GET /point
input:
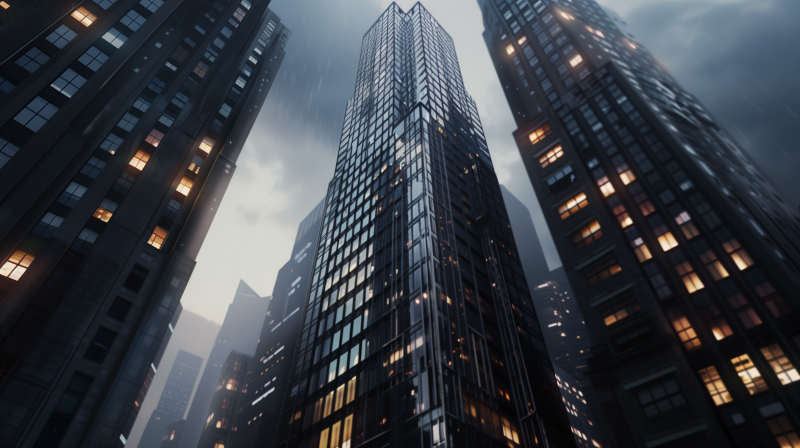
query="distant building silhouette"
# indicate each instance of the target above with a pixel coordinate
(220, 424)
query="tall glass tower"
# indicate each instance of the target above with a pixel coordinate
(419, 329)
(682, 257)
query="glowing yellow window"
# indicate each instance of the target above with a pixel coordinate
(738, 255)
(139, 160)
(522, 40)
(622, 216)
(625, 174)
(84, 16)
(642, 252)
(715, 268)
(784, 434)
(347, 431)
(685, 332)
(510, 49)
(587, 235)
(551, 156)
(106, 210)
(339, 398)
(605, 186)
(783, 368)
(689, 277)
(619, 309)
(509, 431)
(716, 388)
(567, 16)
(749, 374)
(687, 226)
(4, 5)
(328, 405)
(720, 328)
(537, 135)
(219, 445)
(185, 186)
(207, 144)
(157, 239)
(335, 430)
(318, 410)
(572, 206)
(16, 265)
(575, 61)
(351, 390)
(665, 238)
(323, 438)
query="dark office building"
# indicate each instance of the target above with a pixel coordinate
(268, 384)
(584, 426)
(219, 427)
(531, 254)
(120, 125)
(682, 257)
(174, 399)
(239, 333)
(172, 435)
(419, 328)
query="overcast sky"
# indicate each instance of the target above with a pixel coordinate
(738, 56)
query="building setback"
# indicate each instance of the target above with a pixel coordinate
(120, 125)
(174, 398)
(258, 419)
(220, 428)
(682, 257)
(239, 333)
(419, 328)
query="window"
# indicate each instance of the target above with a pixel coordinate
(620, 309)
(575, 61)
(156, 85)
(551, 156)
(201, 69)
(16, 265)
(603, 270)
(68, 83)
(72, 194)
(239, 14)
(4, 5)
(36, 114)
(226, 32)
(509, 431)
(139, 160)
(141, 104)
(105, 4)
(510, 50)
(93, 58)
(61, 36)
(685, 331)
(687, 226)
(115, 37)
(640, 249)
(185, 186)
(93, 167)
(690, 279)
(152, 5)
(132, 20)
(225, 110)
(645, 206)
(128, 121)
(84, 241)
(737, 254)
(783, 368)
(661, 397)
(715, 268)
(111, 143)
(158, 237)
(241, 82)
(716, 388)
(623, 218)
(665, 238)
(154, 137)
(572, 206)
(166, 120)
(587, 235)
(180, 54)
(102, 341)
(749, 374)
(199, 29)
(537, 135)
(123, 183)
(48, 225)
(783, 432)
(219, 43)
(180, 100)
(746, 313)
(33, 59)
(105, 210)
(136, 278)
(7, 151)
(625, 174)
(6, 86)
(83, 16)
(605, 186)
(351, 390)
(561, 179)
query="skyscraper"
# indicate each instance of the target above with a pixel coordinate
(419, 329)
(120, 125)
(239, 333)
(258, 420)
(174, 399)
(682, 257)
(219, 427)
(531, 254)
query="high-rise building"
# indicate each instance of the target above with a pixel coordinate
(239, 333)
(682, 257)
(120, 125)
(584, 426)
(267, 387)
(220, 424)
(531, 254)
(174, 399)
(172, 435)
(419, 329)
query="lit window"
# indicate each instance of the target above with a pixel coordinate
(68, 83)
(93, 58)
(201, 69)
(156, 240)
(645, 205)
(783, 432)
(152, 5)
(72, 194)
(328, 405)
(572, 206)
(347, 431)
(620, 309)
(32, 59)
(738, 255)
(61, 36)
(154, 137)
(687, 226)
(4, 5)
(106, 210)
(720, 328)
(128, 121)
(685, 331)
(603, 270)
(111, 143)
(139, 160)
(749, 374)
(84, 16)
(660, 397)
(239, 14)
(115, 37)
(48, 225)
(689, 277)
(716, 388)
(132, 20)
(587, 235)
(197, 162)
(36, 114)
(339, 402)
(16, 265)
(185, 186)
(715, 268)
(509, 430)
(93, 167)
(567, 16)
(575, 61)
(537, 135)
(351, 390)
(7, 151)
(323, 438)
(551, 156)
(622, 216)
(746, 313)
(665, 238)
(783, 368)
(642, 252)
(605, 186)
(625, 174)
(510, 49)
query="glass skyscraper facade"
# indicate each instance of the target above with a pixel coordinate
(419, 329)
(682, 257)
